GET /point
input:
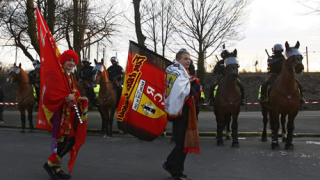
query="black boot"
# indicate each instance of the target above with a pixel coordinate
(242, 103)
(263, 93)
(63, 175)
(50, 170)
(211, 96)
(302, 100)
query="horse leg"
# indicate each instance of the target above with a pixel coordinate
(110, 122)
(265, 123)
(227, 126)
(102, 122)
(283, 126)
(290, 127)
(235, 140)
(219, 130)
(275, 129)
(30, 118)
(23, 121)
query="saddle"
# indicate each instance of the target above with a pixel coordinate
(270, 86)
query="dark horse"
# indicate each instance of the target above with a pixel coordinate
(24, 96)
(107, 97)
(227, 100)
(285, 96)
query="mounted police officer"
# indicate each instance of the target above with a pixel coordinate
(219, 72)
(34, 78)
(116, 73)
(275, 63)
(85, 75)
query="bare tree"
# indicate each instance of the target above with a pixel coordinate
(158, 25)
(137, 19)
(204, 25)
(312, 5)
(17, 20)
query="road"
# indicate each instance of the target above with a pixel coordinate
(123, 157)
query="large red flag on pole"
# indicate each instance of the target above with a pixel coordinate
(54, 87)
(141, 107)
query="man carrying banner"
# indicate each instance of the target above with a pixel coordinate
(64, 120)
(181, 111)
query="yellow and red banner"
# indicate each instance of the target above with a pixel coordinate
(141, 107)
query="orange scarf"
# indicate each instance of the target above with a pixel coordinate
(191, 139)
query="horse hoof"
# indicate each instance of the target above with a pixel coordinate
(22, 131)
(264, 139)
(289, 146)
(235, 145)
(105, 136)
(228, 137)
(275, 146)
(220, 143)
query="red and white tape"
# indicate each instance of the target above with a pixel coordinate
(315, 102)
(254, 103)
(8, 103)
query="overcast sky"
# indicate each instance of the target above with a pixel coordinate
(269, 22)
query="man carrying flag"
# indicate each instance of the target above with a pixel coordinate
(59, 100)
(181, 111)
(64, 120)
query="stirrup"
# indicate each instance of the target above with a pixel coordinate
(262, 99)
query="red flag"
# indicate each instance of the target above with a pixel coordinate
(141, 107)
(54, 88)
(53, 83)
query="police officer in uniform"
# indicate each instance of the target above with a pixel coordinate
(85, 75)
(34, 78)
(275, 63)
(219, 72)
(116, 73)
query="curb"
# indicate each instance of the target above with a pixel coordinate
(169, 133)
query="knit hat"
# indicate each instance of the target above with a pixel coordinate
(68, 54)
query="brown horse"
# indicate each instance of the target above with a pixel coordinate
(107, 97)
(24, 97)
(285, 96)
(227, 100)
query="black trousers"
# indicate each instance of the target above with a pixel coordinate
(176, 158)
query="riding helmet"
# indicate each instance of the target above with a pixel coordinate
(278, 47)
(113, 58)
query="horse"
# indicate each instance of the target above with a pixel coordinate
(285, 96)
(24, 97)
(228, 100)
(107, 97)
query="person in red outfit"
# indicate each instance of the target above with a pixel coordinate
(65, 120)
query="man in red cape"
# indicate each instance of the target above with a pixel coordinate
(65, 122)
(58, 110)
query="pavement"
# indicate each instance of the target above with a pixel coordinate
(250, 123)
